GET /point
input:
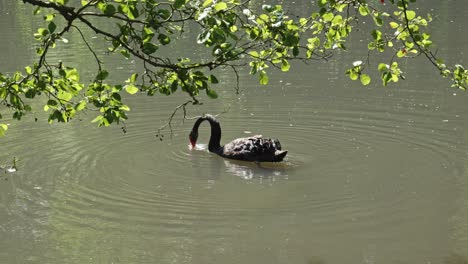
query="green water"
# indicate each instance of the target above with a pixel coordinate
(373, 175)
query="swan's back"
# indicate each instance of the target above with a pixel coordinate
(255, 148)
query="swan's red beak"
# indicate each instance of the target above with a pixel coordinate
(192, 142)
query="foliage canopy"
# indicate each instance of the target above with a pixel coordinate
(237, 33)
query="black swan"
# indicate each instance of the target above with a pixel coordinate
(255, 148)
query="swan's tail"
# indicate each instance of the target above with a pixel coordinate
(279, 155)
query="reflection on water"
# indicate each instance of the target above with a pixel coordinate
(264, 171)
(250, 170)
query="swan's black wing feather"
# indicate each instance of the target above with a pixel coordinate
(255, 148)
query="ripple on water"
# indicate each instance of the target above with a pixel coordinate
(116, 191)
(340, 163)
(357, 147)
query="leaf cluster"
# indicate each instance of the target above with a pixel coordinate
(235, 33)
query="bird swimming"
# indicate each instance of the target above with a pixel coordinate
(254, 148)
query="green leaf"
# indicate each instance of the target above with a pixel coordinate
(164, 13)
(363, 10)
(28, 70)
(365, 79)
(42, 31)
(220, 6)
(80, 106)
(102, 75)
(52, 27)
(3, 129)
(337, 20)
(49, 17)
(295, 51)
(207, 3)
(254, 54)
(37, 11)
(322, 3)
(401, 53)
(30, 93)
(61, 2)
(116, 97)
(132, 12)
(218, 36)
(149, 48)
(267, 8)
(386, 77)
(109, 10)
(203, 37)
(72, 75)
(285, 65)
(328, 16)
(410, 14)
(147, 34)
(378, 20)
(163, 39)
(131, 89)
(263, 78)
(376, 34)
(133, 78)
(213, 79)
(125, 53)
(253, 67)
(124, 108)
(179, 3)
(97, 119)
(426, 43)
(52, 103)
(383, 67)
(211, 93)
(394, 24)
(353, 75)
(64, 96)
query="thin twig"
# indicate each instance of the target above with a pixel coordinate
(425, 51)
(171, 117)
(98, 61)
(237, 79)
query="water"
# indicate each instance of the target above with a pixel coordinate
(373, 175)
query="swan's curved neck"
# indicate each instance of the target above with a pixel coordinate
(215, 139)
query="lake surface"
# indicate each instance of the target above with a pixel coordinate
(373, 174)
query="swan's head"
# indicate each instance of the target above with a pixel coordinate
(193, 136)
